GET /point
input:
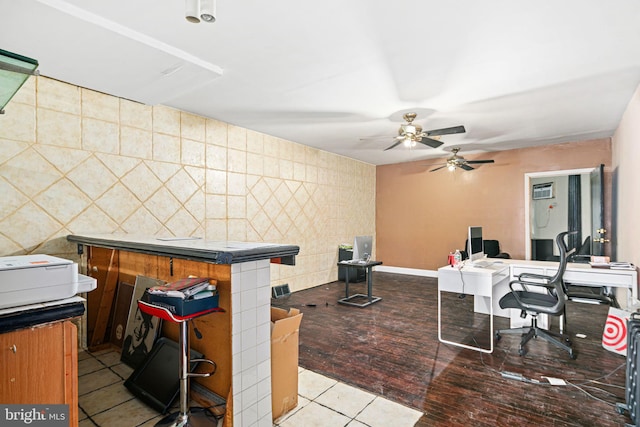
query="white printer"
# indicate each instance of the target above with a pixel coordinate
(31, 279)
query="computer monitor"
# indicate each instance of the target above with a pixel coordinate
(156, 381)
(362, 246)
(475, 244)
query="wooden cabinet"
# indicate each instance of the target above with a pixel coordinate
(40, 366)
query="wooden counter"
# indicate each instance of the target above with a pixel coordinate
(238, 340)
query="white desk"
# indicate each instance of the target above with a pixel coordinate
(486, 285)
(583, 274)
(489, 284)
(625, 282)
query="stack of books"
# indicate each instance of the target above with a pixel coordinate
(611, 265)
(621, 266)
(185, 296)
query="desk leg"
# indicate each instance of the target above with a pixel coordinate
(346, 282)
(470, 347)
(348, 299)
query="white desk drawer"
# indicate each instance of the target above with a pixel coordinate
(592, 277)
(467, 284)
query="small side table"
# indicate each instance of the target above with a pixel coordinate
(347, 300)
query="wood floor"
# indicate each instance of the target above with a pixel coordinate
(391, 348)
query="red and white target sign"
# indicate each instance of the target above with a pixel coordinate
(614, 337)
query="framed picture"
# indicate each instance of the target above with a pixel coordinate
(142, 328)
(124, 295)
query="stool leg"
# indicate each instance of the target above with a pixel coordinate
(184, 369)
(181, 418)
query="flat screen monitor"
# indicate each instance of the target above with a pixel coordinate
(362, 246)
(476, 244)
(156, 381)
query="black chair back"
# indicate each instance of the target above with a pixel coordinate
(565, 254)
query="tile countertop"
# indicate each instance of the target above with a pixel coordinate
(194, 248)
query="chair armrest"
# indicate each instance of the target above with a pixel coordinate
(534, 276)
(524, 284)
(526, 306)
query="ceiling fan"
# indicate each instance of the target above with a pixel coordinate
(456, 161)
(410, 134)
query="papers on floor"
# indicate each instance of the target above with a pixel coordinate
(555, 381)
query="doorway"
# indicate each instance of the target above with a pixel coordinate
(547, 209)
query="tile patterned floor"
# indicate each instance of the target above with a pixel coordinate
(105, 402)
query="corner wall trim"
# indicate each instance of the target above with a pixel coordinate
(410, 271)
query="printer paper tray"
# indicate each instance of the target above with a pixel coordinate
(35, 316)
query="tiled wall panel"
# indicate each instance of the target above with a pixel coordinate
(74, 160)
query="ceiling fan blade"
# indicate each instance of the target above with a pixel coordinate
(433, 143)
(477, 162)
(465, 167)
(394, 145)
(446, 131)
(437, 169)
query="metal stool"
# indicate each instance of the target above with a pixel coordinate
(183, 418)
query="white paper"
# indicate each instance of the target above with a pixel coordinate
(555, 381)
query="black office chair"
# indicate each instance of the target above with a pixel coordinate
(583, 253)
(586, 294)
(551, 301)
(491, 249)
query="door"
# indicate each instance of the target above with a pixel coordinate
(597, 212)
(592, 204)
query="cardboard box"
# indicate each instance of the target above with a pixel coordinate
(285, 326)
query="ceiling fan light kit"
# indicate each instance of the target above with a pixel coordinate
(456, 161)
(410, 134)
(409, 143)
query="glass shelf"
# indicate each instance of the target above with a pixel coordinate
(14, 71)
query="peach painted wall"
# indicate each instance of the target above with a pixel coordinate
(422, 216)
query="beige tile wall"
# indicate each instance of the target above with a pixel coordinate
(75, 161)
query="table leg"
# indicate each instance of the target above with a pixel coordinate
(346, 282)
(369, 284)
(348, 299)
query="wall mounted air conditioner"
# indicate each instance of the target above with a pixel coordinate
(543, 191)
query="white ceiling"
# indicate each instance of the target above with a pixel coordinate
(339, 74)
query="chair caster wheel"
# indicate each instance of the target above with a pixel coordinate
(522, 352)
(573, 355)
(498, 336)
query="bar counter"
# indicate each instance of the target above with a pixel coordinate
(238, 340)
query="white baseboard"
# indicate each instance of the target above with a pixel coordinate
(404, 270)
